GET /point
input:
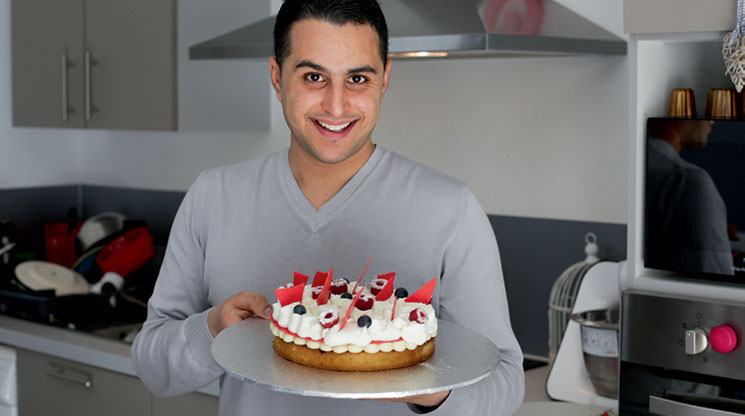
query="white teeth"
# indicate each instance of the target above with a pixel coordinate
(334, 128)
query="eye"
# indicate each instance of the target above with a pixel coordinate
(357, 79)
(314, 77)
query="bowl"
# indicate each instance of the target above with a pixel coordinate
(599, 329)
(98, 228)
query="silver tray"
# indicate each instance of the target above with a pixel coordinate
(461, 357)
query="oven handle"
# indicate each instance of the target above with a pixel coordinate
(667, 407)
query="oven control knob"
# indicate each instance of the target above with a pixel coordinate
(723, 339)
(696, 341)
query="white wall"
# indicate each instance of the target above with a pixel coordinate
(539, 137)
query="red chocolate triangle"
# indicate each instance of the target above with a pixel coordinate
(424, 294)
(318, 279)
(289, 295)
(350, 308)
(387, 276)
(360, 278)
(387, 289)
(300, 279)
(323, 297)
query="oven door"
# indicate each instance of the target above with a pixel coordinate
(648, 390)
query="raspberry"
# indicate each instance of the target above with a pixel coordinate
(286, 286)
(418, 315)
(328, 318)
(316, 291)
(339, 286)
(377, 285)
(365, 302)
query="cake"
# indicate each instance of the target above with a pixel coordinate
(334, 325)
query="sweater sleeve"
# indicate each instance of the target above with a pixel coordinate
(473, 295)
(172, 352)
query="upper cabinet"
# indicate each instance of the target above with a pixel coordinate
(105, 64)
(672, 16)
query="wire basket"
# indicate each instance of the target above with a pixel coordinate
(564, 294)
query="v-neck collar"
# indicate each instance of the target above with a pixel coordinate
(317, 219)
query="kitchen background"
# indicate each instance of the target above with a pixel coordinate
(541, 141)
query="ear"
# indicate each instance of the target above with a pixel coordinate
(386, 73)
(275, 73)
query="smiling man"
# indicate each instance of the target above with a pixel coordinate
(331, 200)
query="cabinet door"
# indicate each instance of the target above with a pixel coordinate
(47, 62)
(52, 386)
(193, 404)
(132, 45)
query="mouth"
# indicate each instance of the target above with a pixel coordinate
(335, 129)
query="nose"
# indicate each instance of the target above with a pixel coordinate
(335, 101)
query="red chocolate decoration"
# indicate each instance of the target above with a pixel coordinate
(318, 279)
(424, 294)
(289, 295)
(387, 276)
(323, 297)
(393, 312)
(360, 278)
(350, 308)
(300, 279)
(387, 291)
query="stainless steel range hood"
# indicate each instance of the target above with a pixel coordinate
(452, 29)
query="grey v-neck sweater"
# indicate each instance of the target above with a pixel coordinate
(249, 226)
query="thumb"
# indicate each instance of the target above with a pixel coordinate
(255, 303)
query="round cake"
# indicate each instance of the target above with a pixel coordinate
(332, 326)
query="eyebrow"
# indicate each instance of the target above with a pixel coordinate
(321, 68)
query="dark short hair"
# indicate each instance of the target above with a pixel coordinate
(339, 12)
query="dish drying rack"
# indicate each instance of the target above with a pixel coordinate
(564, 294)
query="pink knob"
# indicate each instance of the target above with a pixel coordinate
(723, 339)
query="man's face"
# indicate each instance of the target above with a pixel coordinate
(331, 86)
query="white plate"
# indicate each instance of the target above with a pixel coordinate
(461, 357)
(44, 275)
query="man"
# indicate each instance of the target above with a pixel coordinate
(331, 200)
(686, 216)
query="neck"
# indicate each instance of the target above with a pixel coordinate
(321, 181)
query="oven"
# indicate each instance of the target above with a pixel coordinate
(681, 355)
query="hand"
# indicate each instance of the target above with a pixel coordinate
(424, 400)
(236, 308)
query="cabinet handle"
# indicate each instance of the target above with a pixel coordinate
(64, 86)
(87, 85)
(72, 376)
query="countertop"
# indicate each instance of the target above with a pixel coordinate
(78, 346)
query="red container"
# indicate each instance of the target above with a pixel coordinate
(59, 242)
(127, 253)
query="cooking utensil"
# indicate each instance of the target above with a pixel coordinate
(97, 228)
(59, 242)
(599, 329)
(43, 275)
(720, 103)
(127, 253)
(682, 103)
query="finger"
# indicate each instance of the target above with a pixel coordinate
(253, 303)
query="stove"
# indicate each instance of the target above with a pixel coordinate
(681, 355)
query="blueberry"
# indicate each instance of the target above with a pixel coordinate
(364, 321)
(345, 279)
(402, 293)
(346, 295)
(299, 309)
